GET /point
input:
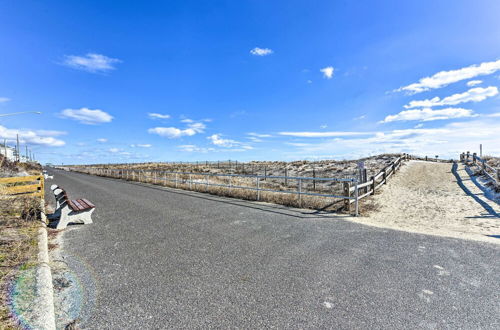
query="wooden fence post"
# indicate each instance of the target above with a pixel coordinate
(372, 178)
(365, 180)
(384, 176)
(314, 181)
(347, 193)
(498, 175)
(474, 158)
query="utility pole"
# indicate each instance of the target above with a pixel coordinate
(481, 150)
(18, 151)
(27, 153)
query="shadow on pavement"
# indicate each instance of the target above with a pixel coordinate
(485, 205)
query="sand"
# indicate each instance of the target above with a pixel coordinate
(427, 198)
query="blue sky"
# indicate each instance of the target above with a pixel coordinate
(128, 81)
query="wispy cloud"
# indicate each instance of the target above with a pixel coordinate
(32, 137)
(87, 116)
(91, 62)
(102, 140)
(476, 94)
(153, 115)
(259, 135)
(261, 51)
(4, 99)
(474, 83)
(175, 133)
(360, 117)
(428, 114)
(217, 140)
(147, 145)
(445, 78)
(446, 141)
(194, 148)
(328, 72)
(322, 134)
(43, 132)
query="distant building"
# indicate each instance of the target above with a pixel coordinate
(9, 152)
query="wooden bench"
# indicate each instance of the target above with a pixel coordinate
(71, 211)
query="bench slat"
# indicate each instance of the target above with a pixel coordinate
(78, 205)
(82, 203)
(88, 203)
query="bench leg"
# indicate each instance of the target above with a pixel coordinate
(63, 221)
(69, 216)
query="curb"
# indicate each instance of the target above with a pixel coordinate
(44, 288)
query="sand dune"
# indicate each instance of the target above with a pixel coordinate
(431, 198)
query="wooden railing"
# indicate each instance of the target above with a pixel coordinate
(474, 160)
(367, 188)
(24, 185)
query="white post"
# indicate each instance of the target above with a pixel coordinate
(175, 180)
(300, 192)
(258, 188)
(190, 182)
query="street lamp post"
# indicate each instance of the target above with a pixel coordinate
(19, 113)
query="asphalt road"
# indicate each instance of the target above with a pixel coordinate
(160, 258)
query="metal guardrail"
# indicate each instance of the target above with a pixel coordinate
(177, 179)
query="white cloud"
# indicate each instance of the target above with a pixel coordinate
(419, 125)
(445, 78)
(114, 150)
(428, 114)
(327, 72)
(171, 132)
(102, 140)
(323, 126)
(476, 94)
(219, 141)
(153, 115)
(322, 134)
(197, 127)
(91, 62)
(44, 138)
(141, 145)
(360, 117)
(261, 51)
(87, 116)
(474, 83)
(4, 99)
(174, 132)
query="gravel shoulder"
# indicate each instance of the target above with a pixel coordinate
(436, 199)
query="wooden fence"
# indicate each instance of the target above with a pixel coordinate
(24, 185)
(368, 187)
(474, 160)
